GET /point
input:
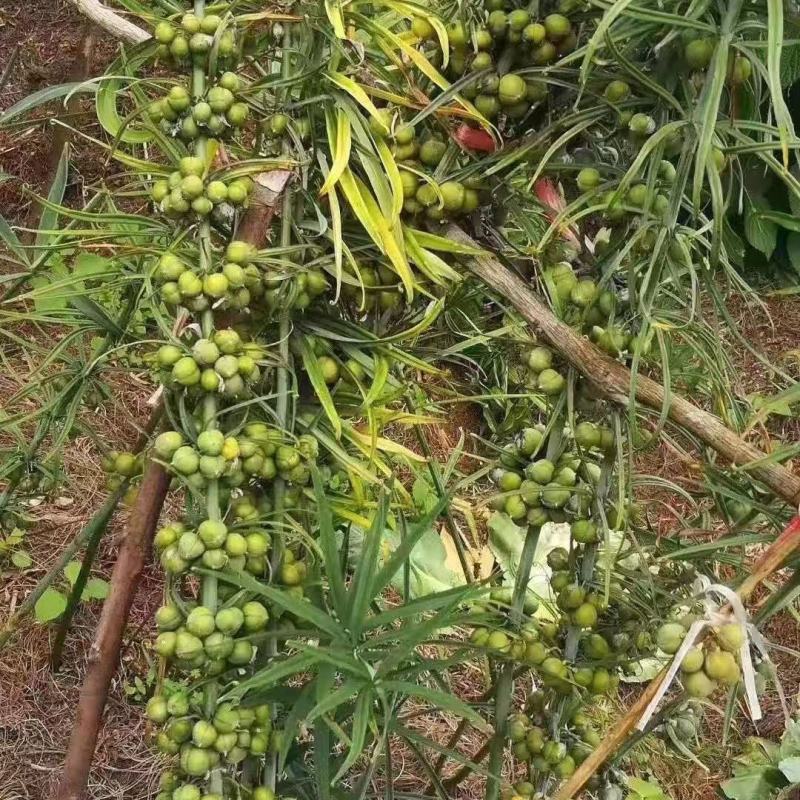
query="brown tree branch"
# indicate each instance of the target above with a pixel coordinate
(110, 21)
(133, 556)
(613, 380)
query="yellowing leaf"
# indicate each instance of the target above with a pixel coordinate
(357, 93)
(393, 174)
(339, 141)
(333, 8)
(385, 445)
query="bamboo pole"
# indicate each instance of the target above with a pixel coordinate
(614, 381)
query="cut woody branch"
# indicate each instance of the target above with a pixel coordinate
(134, 554)
(614, 381)
(110, 21)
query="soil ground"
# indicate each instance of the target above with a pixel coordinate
(46, 43)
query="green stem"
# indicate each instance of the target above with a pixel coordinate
(505, 683)
(282, 396)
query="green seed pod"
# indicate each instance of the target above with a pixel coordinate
(698, 684)
(550, 382)
(168, 618)
(256, 616)
(156, 709)
(187, 646)
(218, 645)
(730, 636)
(242, 653)
(693, 661)
(229, 620)
(669, 637)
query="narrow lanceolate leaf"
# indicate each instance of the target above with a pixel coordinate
(49, 217)
(329, 546)
(339, 141)
(43, 96)
(598, 38)
(393, 174)
(11, 241)
(357, 93)
(110, 119)
(361, 719)
(312, 368)
(774, 46)
(366, 209)
(333, 8)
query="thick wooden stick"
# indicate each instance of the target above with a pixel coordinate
(111, 22)
(105, 649)
(133, 556)
(613, 380)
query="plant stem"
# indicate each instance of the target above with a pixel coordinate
(505, 683)
(282, 401)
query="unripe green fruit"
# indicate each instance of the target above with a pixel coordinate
(220, 99)
(584, 531)
(535, 653)
(166, 643)
(641, 125)
(178, 98)
(168, 618)
(242, 653)
(186, 792)
(698, 684)
(210, 442)
(588, 178)
(218, 645)
(156, 709)
(239, 252)
(226, 720)
(585, 616)
(195, 762)
(540, 471)
(741, 71)
(237, 114)
(720, 665)
(617, 91)
(185, 461)
(255, 616)
(698, 53)
(204, 734)
(693, 660)
(669, 637)
(515, 508)
(539, 359)
(215, 559)
(329, 368)
(557, 26)
(730, 636)
(209, 380)
(587, 435)
(217, 192)
(172, 562)
(190, 546)
(187, 646)
(550, 382)
(200, 621)
(212, 533)
(191, 165)
(229, 620)
(512, 89)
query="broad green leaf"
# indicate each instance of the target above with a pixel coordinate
(96, 589)
(753, 783)
(21, 559)
(790, 741)
(760, 232)
(71, 571)
(790, 767)
(50, 605)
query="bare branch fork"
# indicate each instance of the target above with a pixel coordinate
(614, 381)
